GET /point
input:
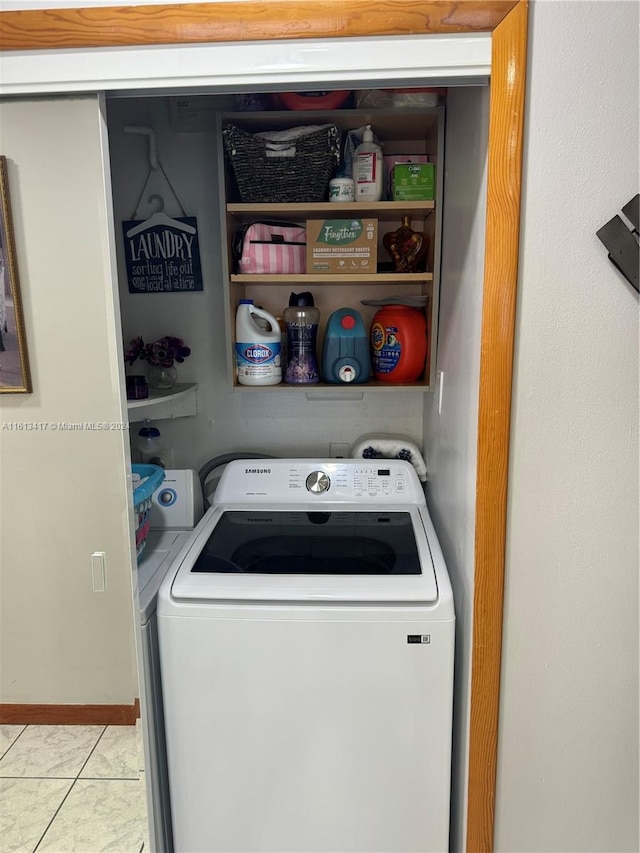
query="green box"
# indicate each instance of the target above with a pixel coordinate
(413, 182)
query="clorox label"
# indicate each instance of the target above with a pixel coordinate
(258, 355)
(258, 361)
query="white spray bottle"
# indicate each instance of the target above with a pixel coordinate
(367, 168)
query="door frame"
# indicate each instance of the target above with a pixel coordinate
(506, 20)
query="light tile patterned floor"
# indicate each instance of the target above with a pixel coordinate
(71, 788)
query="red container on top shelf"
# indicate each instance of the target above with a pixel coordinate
(309, 100)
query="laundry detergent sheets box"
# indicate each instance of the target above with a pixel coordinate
(342, 246)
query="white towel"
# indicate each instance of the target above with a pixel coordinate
(391, 447)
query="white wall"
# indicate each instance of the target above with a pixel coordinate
(451, 435)
(568, 741)
(63, 492)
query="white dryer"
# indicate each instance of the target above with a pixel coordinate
(307, 648)
(176, 509)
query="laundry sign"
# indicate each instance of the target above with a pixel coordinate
(162, 254)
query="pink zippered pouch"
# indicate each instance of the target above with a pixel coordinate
(272, 248)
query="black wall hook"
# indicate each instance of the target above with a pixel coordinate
(621, 241)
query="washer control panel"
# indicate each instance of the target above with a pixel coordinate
(293, 480)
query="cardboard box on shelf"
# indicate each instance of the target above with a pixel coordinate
(413, 182)
(342, 246)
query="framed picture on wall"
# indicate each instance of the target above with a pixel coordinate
(15, 377)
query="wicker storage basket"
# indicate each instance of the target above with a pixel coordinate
(283, 166)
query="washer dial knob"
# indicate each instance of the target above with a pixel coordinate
(318, 482)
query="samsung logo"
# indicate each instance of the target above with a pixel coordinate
(257, 470)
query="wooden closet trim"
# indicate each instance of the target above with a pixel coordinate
(295, 19)
(193, 23)
(69, 715)
(506, 128)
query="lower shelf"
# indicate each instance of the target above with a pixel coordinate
(181, 401)
(327, 390)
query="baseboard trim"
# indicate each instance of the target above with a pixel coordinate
(70, 715)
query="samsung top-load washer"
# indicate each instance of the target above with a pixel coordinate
(176, 507)
(307, 648)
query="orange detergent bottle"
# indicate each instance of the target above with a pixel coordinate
(398, 343)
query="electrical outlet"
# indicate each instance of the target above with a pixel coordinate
(339, 449)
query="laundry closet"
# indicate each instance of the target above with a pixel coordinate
(208, 413)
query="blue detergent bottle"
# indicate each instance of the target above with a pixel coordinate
(345, 350)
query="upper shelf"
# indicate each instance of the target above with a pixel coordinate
(383, 210)
(389, 124)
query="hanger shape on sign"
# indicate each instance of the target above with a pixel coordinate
(160, 218)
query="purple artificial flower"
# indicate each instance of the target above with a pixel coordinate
(161, 353)
(136, 348)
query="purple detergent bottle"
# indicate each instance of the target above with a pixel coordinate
(302, 319)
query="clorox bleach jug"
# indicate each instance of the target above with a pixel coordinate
(258, 356)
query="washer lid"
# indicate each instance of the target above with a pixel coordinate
(329, 554)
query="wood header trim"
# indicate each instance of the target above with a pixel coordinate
(254, 20)
(504, 176)
(69, 715)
